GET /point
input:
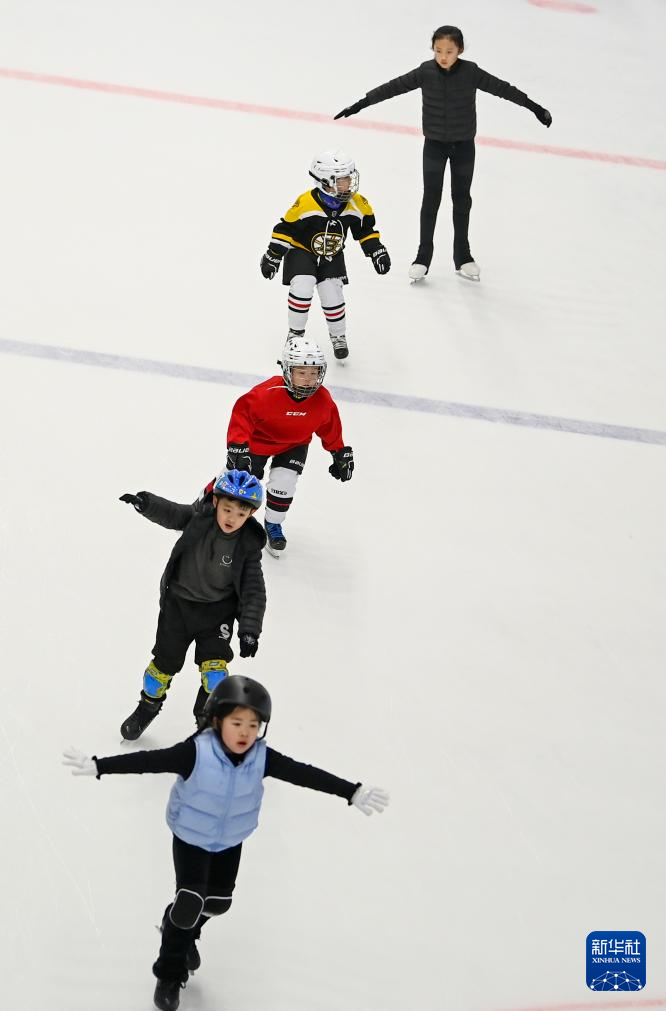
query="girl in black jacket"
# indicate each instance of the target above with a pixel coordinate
(448, 86)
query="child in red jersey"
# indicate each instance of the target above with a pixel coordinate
(277, 419)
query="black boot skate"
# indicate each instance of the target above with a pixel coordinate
(340, 349)
(167, 994)
(145, 713)
(276, 542)
(193, 957)
(199, 704)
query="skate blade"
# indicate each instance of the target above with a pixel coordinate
(466, 277)
(273, 552)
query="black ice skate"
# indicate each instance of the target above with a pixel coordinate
(167, 994)
(198, 711)
(276, 542)
(193, 957)
(145, 713)
(340, 349)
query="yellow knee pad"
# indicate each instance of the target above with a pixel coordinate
(155, 683)
(212, 672)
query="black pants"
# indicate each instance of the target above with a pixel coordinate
(182, 622)
(208, 875)
(460, 155)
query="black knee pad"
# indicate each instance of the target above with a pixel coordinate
(186, 909)
(215, 905)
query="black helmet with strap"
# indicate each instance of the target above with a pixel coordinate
(237, 690)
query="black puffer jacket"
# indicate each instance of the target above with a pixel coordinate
(449, 97)
(194, 521)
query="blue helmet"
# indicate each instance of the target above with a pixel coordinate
(241, 485)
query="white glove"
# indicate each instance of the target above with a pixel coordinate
(82, 765)
(370, 798)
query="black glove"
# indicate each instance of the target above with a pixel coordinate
(270, 264)
(249, 644)
(381, 261)
(238, 457)
(542, 115)
(351, 110)
(139, 500)
(342, 467)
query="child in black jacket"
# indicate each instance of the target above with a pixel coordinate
(213, 807)
(448, 86)
(212, 578)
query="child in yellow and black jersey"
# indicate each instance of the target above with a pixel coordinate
(311, 239)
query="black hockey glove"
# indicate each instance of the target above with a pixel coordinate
(542, 115)
(381, 261)
(270, 264)
(351, 110)
(138, 501)
(238, 457)
(249, 644)
(342, 467)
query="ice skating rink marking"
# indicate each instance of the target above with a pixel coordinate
(583, 1006)
(397, 401)
(564, 6)
(316, 117)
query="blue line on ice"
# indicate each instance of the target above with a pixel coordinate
(396, 401)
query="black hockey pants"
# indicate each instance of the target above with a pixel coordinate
(182, 622)
(212, 876)
(460, 155)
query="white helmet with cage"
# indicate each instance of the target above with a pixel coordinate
(331, 169)
(299, 352)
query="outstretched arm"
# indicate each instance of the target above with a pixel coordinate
(179, 759)
(162, 511)
(502, 89)
(398, 86)
(366, 798)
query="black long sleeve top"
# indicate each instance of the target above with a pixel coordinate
(180, 760)
(449, 96)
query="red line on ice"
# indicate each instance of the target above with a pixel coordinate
(317, 117)
(564, 5)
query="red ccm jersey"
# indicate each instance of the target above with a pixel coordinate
(271, 421)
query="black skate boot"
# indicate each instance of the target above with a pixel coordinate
(193, 957)
(340, 349)
(276, 542)
(167, 994)
(198, 711)
(145, 713)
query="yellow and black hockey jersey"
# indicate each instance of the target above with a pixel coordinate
(312, 226)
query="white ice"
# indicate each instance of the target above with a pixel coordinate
(475, 623)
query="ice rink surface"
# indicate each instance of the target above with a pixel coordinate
(475, 623)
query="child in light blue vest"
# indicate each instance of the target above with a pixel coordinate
(213, 807)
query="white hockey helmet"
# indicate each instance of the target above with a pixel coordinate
(331, 166)
(299, 351)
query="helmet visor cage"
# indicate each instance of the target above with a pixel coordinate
(342, 185)
(300, 388)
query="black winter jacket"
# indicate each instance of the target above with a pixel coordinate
(246, 569)
(449, 97)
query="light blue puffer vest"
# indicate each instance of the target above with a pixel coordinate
(218, 805)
